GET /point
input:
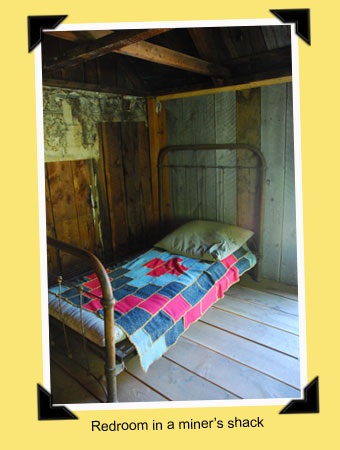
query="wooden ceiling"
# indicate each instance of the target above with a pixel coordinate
(162, 61)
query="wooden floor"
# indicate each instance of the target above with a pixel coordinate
(244, 347)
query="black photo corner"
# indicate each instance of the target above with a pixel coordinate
(301, 17)
(46, 411)
(310, 402)
(36, 23)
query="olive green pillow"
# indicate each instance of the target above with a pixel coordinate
(202, 239)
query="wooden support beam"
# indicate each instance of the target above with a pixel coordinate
(205, 46)
(235, 87)
(93, 87)
(101, 46)
(168, 57)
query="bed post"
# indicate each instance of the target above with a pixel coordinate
(108, 304)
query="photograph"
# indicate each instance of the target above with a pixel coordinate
(170, 204)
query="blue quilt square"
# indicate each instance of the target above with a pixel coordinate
(165, 279)
(158, 325)
(240, 252)
(139, 272)
(100, 312)
(76, 300)
(171, 289)
(193, 294)
(155, 352)
(123, 291)
(118, 282)
(205, 281)
(142, 259)
(142, 281)
(188, 262)
(134, 319)
(147, 290)
(70, 293)
(217, 270)
(188, 277)
(242, 265)
(175, 331)
(202, 265)
(55, 289)
(117, 314)
(117, 273)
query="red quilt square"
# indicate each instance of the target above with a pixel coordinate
(192, 315)
(154, 303)
(94, 305)
(209, 299)
(127, 303)
(177, 307)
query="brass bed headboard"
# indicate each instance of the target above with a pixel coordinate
(244, 160)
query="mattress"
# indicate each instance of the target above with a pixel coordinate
(158, 296)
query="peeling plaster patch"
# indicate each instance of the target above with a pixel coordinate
(71, 118)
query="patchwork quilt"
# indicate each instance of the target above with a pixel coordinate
(159, 294)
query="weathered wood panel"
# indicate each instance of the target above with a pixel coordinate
(248, 119)
(115, 186)
(288, 269)
(279, 243)
(63, 203)
(197, 193)
(225, 128)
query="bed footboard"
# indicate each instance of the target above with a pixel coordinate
(108, 304)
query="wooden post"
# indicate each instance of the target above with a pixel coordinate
(158, 140)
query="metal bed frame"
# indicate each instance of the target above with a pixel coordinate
(108, 301)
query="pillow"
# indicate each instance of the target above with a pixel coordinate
(202, 239)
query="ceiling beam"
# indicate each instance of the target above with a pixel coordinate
(205, 47)
(100, 47)
(162, 55)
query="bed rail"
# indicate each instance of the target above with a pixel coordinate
(108, 304)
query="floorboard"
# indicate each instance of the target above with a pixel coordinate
(265, 360)
(239, 379)
(177, 383)
(274, 287)
(262, 314)
(254, 331)
(262, 298)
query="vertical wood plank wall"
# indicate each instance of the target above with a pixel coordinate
(261, 117)
(277, 145)
(118, 219)
(197, 193)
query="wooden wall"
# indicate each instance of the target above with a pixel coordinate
(103, 205)
(261, 117)
(197, 193)
(277, 145)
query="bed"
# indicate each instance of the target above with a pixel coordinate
(153, 298)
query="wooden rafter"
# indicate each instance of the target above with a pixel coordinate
(205, 46)
(101, 46)
(162, 55)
